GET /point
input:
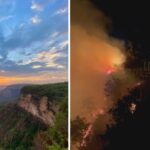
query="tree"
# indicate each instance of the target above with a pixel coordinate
(132, 128)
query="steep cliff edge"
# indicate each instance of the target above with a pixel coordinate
(39, 107)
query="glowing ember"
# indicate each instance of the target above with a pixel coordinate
(101, 111)
(109, 71)
(138, 84)
(133, 107)
(86, 133)
(98, 112)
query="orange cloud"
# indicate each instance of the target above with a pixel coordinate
(44, 77)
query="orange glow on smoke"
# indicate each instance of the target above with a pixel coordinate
(93, 59)
(110, 71)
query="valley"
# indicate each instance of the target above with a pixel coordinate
(37, 119)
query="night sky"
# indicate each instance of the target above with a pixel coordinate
(33, 41)
(130, 22)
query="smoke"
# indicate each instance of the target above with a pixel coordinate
(96, 59)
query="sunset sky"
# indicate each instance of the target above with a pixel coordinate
(33, 41)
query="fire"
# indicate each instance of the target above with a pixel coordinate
(88, 131)
(109, 71)
(133, 107)
(114, 67)
(98, 112)
(86, 134)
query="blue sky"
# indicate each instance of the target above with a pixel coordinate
(33, 41)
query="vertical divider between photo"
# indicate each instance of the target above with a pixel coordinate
(69, 80)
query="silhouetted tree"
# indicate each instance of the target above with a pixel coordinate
(131, 130)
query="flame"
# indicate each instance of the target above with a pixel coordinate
(88, 131)
(110, 71)
(86, 134)
(133, 107)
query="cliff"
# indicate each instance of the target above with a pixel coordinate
(39, 107)
(41, 100)
(38, 119)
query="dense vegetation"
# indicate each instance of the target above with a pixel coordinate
(59, 133)
(20, 130)
(54, 92)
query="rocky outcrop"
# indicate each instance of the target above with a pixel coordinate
(39, 107)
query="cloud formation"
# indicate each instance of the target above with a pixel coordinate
(61, 11)
(31, 35)
(35, 20)
(36, 6)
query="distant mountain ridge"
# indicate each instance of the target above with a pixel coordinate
(10, 93)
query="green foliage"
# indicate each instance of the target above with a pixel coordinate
(55, 147)
(19, 129)
(59, 132)
(54, 92)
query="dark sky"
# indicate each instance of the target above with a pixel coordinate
(130, 21)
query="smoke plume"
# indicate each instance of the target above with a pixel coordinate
(96, 59)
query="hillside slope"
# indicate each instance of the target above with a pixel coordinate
(38, 121)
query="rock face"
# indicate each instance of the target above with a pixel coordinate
(39, 107)
(42, 101)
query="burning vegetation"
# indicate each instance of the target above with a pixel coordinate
(102, 88)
